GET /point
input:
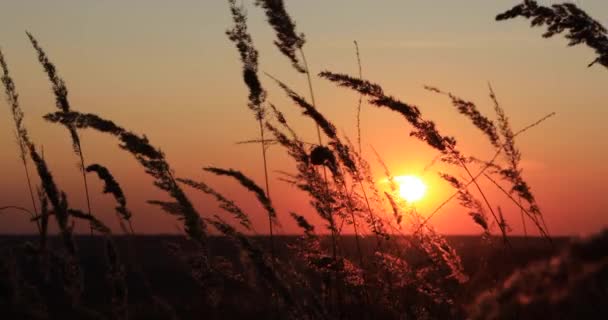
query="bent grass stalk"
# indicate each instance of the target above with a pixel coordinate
(567, 18)
(154, 162)
(111, 186)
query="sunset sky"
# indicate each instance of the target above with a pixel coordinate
(166, 69)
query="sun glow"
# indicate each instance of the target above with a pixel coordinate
(411, 188)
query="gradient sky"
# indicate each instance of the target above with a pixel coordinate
(166, 69)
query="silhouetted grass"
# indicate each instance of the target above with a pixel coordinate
(396, 266)
(566, 17)
(20, 131)
(257, 95)
(112, 187)
(153, 161)
(61, 101)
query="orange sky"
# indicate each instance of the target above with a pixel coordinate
(170, 72)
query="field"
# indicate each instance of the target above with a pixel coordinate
(159, 271)
(369, 252)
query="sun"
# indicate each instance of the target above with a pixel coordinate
(411, 188)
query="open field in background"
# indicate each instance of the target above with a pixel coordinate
(170, 278)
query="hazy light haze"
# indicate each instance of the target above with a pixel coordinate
(166, 69)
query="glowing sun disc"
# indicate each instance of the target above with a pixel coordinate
(411, 188)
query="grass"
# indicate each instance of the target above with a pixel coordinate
(395, 266)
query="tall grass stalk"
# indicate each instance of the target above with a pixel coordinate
(257, 95)
(12, 98)
(523, 220)
(73, 285)
(321, 155)
(63, 104)
(359, 104)
(311, 92)
(295, 148)
(319, 138)
(289, 41)
(360, 98)
(312, 182)
(513, 172)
